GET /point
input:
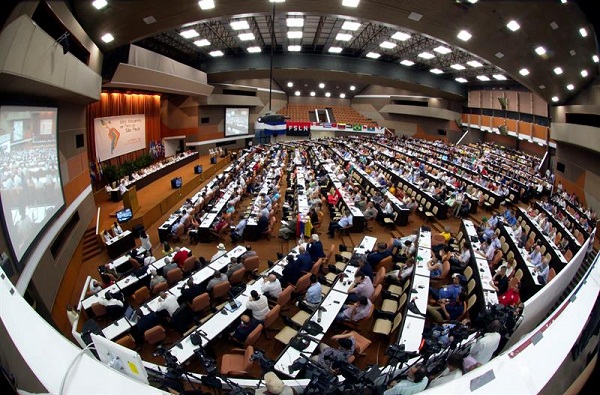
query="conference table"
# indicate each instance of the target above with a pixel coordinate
(120, 244)
(153, 175)
(482, 268)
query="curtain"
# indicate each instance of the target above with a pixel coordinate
(115, 103)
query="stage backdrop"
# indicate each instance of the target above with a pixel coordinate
(116, 136)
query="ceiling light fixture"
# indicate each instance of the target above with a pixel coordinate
(426, 55)
(570, 87)
(294, 34)
(239, 25)
(584, 73)
(474, 63)
(483, 78)
(583, 32)
(400, 36)
(461, 80)
(373, 55)
(407, 62)
(321, 85)
(190, 33)
(290, 84)
(202, 43)
(343, 37)
(595, 58)
(206, 4)
(540, 50)
(555, 99)
(246, 36)
(499, 77)
(312, 93)
(464, 35)
(254, 49)
(294, 48)
(342, 95)
(387, 45)
(513, 25)
(352, 87)
(524, 72)
(458, 66)
(327, 94)
(558, 70)
(436, 71)
(350, 3)
(335, 49)
(216, 54)
(297, 93)
(99, 4)
(349, 25)
(443, 50)
(295, 22)
(107, 38)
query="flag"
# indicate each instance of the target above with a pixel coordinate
(357, 128)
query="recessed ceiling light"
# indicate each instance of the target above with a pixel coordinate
(295, 22)
(443, 50)
(400, 36)
(277, 1)
(149, 20)
(542, 87)
(327, 94)
(524, 72)
(583, 32)
(352, 87)
(558, 70)
(563, 1)
(294, 34)
(246, 36)
(554, 25)
(254, 49)
(321, 85)
(335, 49)
(426, 55)
(297, 93)
(342, 95)
(202, 43)
(290, 84)
(312, 93)
(107, 38)
(350, 3)
(436, 71)
(499, 77)
(513, 25)
(99, 4)
(407, 62)
(190, 33)
(584, 73)
(461, 80)
(373, 55)
(206, 4)
(555, 99)
(343, 37)
(464, 35)
(570, 87)
(572, 52)
(415, 16)
(472, 1)
(540, 50)
(474, 63)
(216, 54)
(483, 78)
(239, 25)
(595, 58)
(499, 55)
(458, 66)
(387, 45)
(349, 25)
(294, 48)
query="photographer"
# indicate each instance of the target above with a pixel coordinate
(328, 355)
(415, 382)
(453, 370)
(485, 347)
(274, 385)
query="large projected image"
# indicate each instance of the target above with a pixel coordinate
(30, 189)
(236, 121)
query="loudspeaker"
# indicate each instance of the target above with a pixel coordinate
(560, 167)
(79, 140)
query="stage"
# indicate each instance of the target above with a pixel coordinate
(158, 198)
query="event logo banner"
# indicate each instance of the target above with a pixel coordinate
(298, 128)
(120, 135)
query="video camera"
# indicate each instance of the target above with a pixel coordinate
(266, 364)
(397, 354)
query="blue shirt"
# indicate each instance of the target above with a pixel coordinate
(313, 294)
(450, 291)
(345, 221)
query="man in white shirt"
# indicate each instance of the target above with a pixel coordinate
(536, 256)
(271, 287)
(483, 349)
(259, 305)
(220, 252)
(343, 223)
(453, 370)
(167, 302)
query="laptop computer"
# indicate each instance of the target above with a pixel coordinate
(131, 315)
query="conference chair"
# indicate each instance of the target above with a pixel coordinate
(238, 276)
(361, 342)
(99, 311)
(470, 286)
(238, 362)
(141, 295)
(189, 265)
(162, 286)
(174, 276)
(155, 335)
(551, 274)
(182, 319)
(386, 263)
(270, 320)
(393, 305)
(251, 264)
(220, 291)
(253, 336)
(127, 341)
(200, 304)
(379, 276)
(360, 324)
(302, 284)
(284, 297)
(385, 326)
(468, 273)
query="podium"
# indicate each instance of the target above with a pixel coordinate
(130, 199)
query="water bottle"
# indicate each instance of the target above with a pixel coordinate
(319, 315)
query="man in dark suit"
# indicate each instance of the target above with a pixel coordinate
(303, 260)
(376, 256)
(246, 326)
(263, 224)
(190, 290)
(145, 322)
(291, 272)
(315, 248)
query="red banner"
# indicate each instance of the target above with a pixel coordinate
(298, 128)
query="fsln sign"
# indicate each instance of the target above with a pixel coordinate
(298, 128)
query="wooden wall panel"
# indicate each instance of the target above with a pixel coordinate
(496, 121)
(486, 121)
(525, 102)
(540, 107)
(539, 131)
(486, 99)
(513, 100)
(511, 125)
(495, 102)
(475, 99)
(525, 128)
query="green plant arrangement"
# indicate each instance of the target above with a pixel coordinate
(110, 173)
(503, 103)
